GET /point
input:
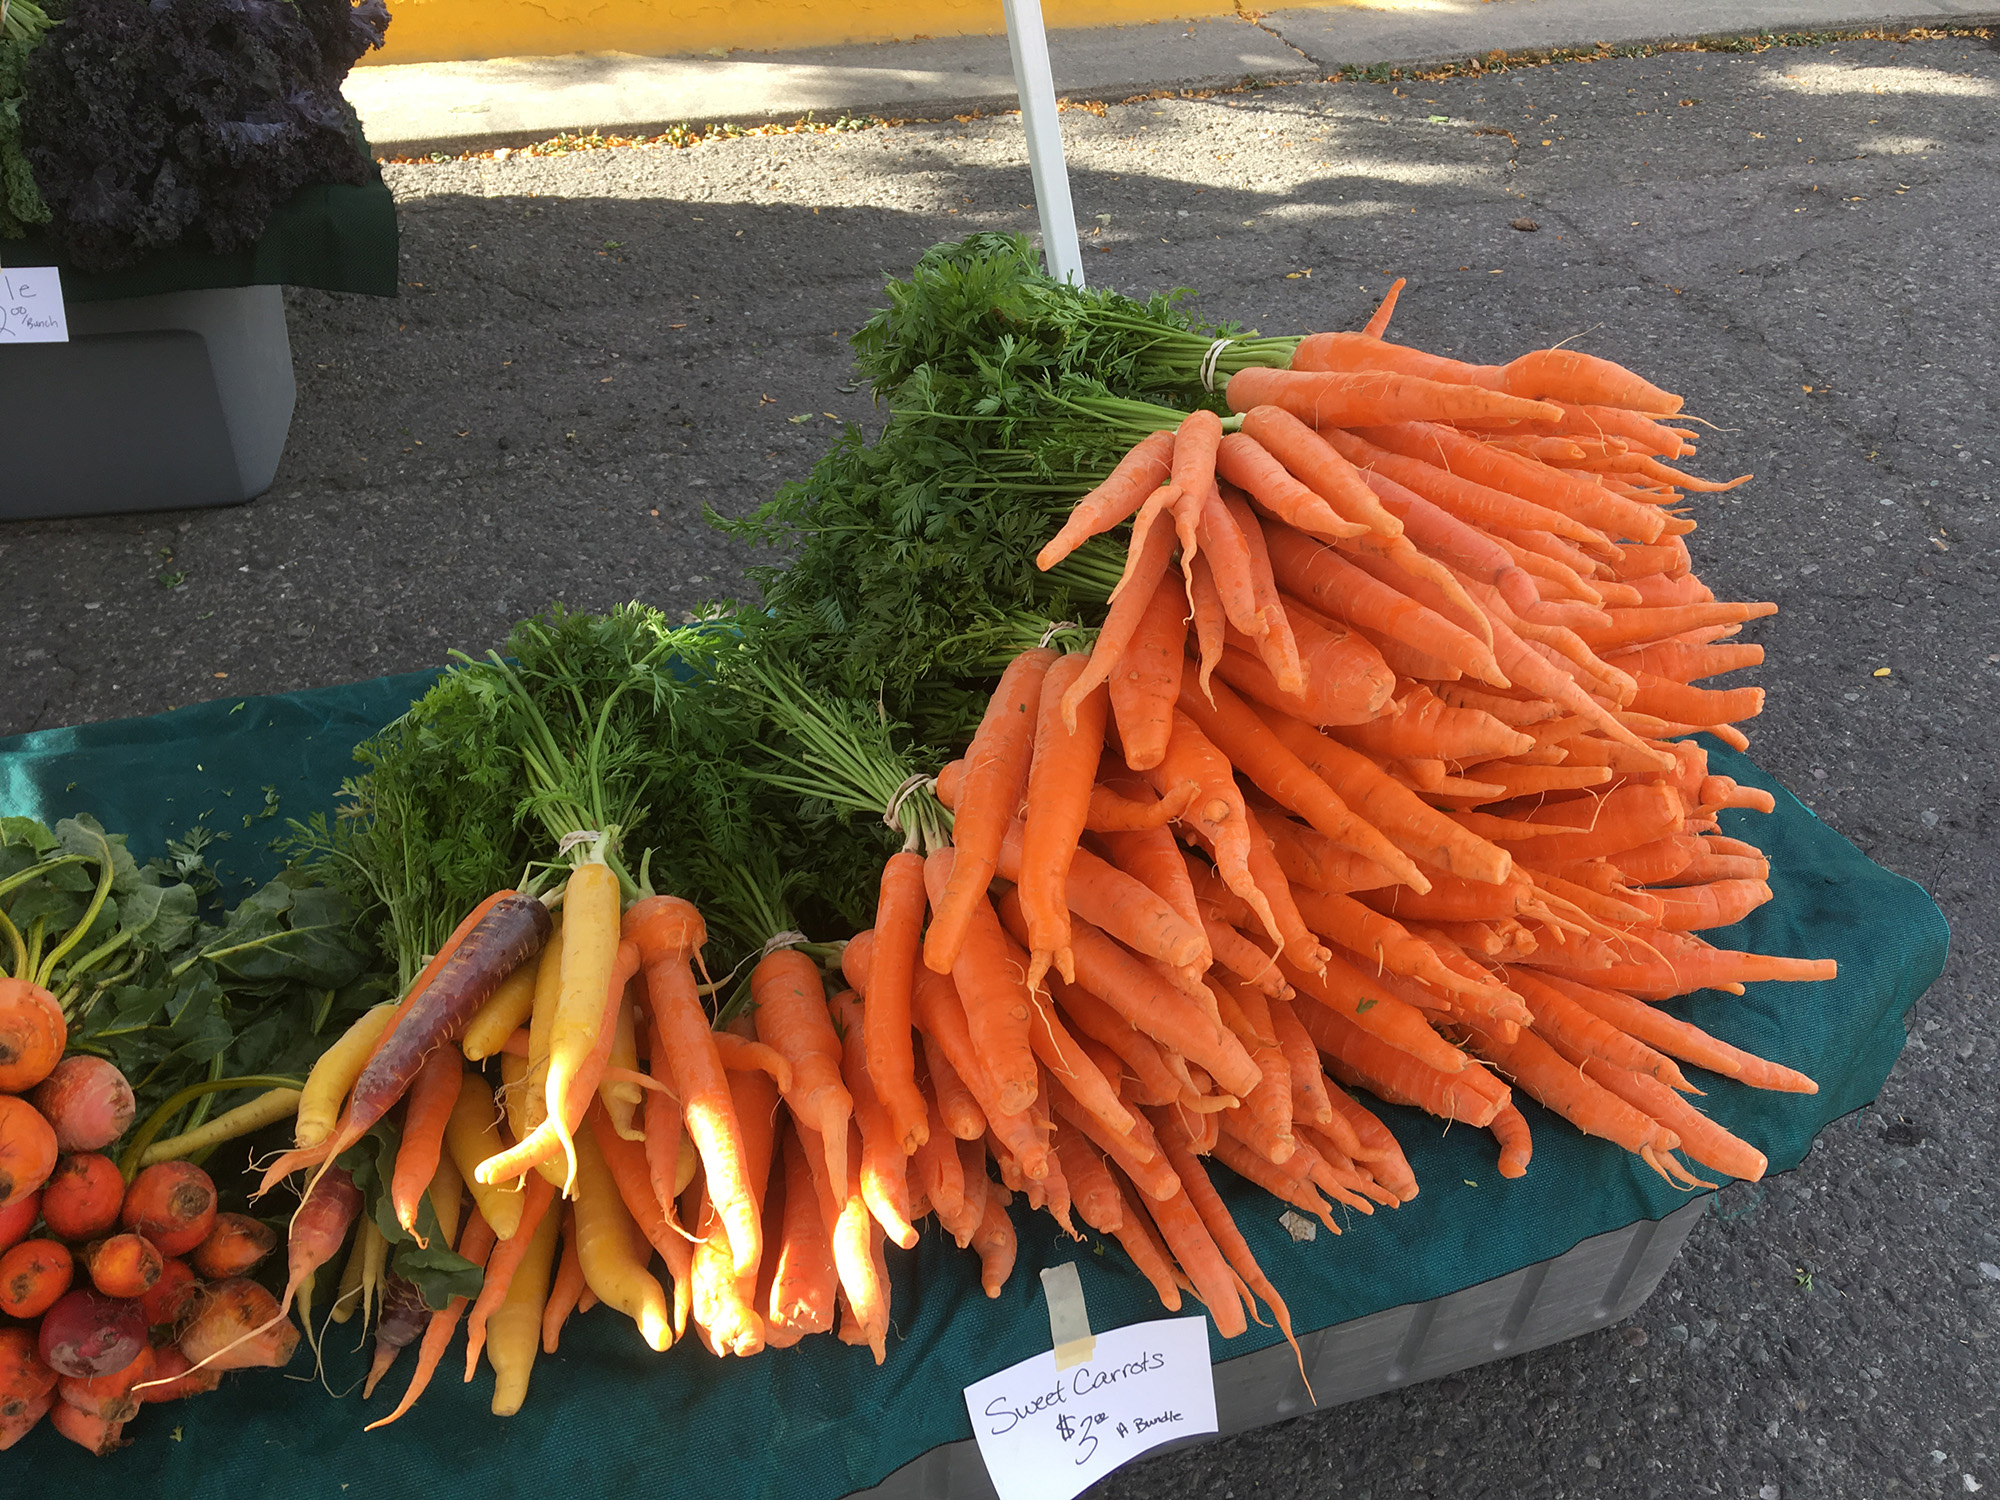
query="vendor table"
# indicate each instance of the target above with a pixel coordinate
(607, 1416)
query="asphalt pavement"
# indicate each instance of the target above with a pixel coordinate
(1805, 241)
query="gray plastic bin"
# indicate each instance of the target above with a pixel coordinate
(1601, 1280)
(156, 403)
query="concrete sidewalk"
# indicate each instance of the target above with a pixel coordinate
(517, 101)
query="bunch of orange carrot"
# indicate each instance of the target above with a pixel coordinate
(1376, 775)
(1416, 697)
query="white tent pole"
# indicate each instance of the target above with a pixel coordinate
(1035, 83)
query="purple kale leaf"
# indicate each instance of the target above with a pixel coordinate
(155, 122)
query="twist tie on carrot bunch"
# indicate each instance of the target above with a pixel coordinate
(790, 938)
(911, 785)
(578, 836)
(1056, 628)
(1208, 362)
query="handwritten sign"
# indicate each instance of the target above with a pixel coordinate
(1050, 1436)
(31, 306)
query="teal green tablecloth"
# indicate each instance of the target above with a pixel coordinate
(607, 1417)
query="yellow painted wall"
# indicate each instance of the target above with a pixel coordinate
(453, 30)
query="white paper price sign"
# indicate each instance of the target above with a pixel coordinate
(31, 306)
(1049, 1435)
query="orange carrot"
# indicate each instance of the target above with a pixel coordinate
(791, 1016)
(1195, 443)
(1217, 811)
(1228, 554)
(1143, 997)
(1263, 755)
(1245, 462)
(1392, 1074)
(1540, 1072)
(941, 1016)
(936, 1171)
(1392, 809)
(428, 1105)
(1457, 494)
(804, 1281)
(989, 795)
(505, 1260)
(1681, 661)
(1140, 472)
(1678, 1038)
(1146, 679)
(1571, 1026)
(1180, 1224)
(1571, 375)
(1227, 1237)
(1300, 942)
(1119, 811)
(1369, 397)
(1205, 603)
(1701, 1138)
(1153, 1082)
(957, 1108)
(1141, 1241)
(1095, 1193)
(1510, 1129)
(993, 995)
(567, 1288)
(1324, 470)
(1430, 726)
(1352, 995)
(1590, 504)
(1347, 678)
(996, 1245)
(885, 1183)
(1308, 857)
(475, 1243)
(899, 921)
(1321, 577)
(1291, 1183)
(1265, 1119)
(687, 1049)
(1646, 626)
(1069, 741)
(1121, 905)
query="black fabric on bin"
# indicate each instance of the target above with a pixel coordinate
(329, 235)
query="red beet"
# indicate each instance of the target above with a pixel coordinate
(87, 1333)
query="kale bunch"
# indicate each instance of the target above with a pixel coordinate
(150, 122)
(21, 205)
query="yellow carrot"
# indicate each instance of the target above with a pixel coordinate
(525, 1081)
(506, 1009)
(608, 1247)
(590, 945)
(334, 1074)
(514, 1332)
(622, 1098)
(471, 1135)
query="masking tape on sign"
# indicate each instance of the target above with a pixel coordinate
(1069, 1319)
